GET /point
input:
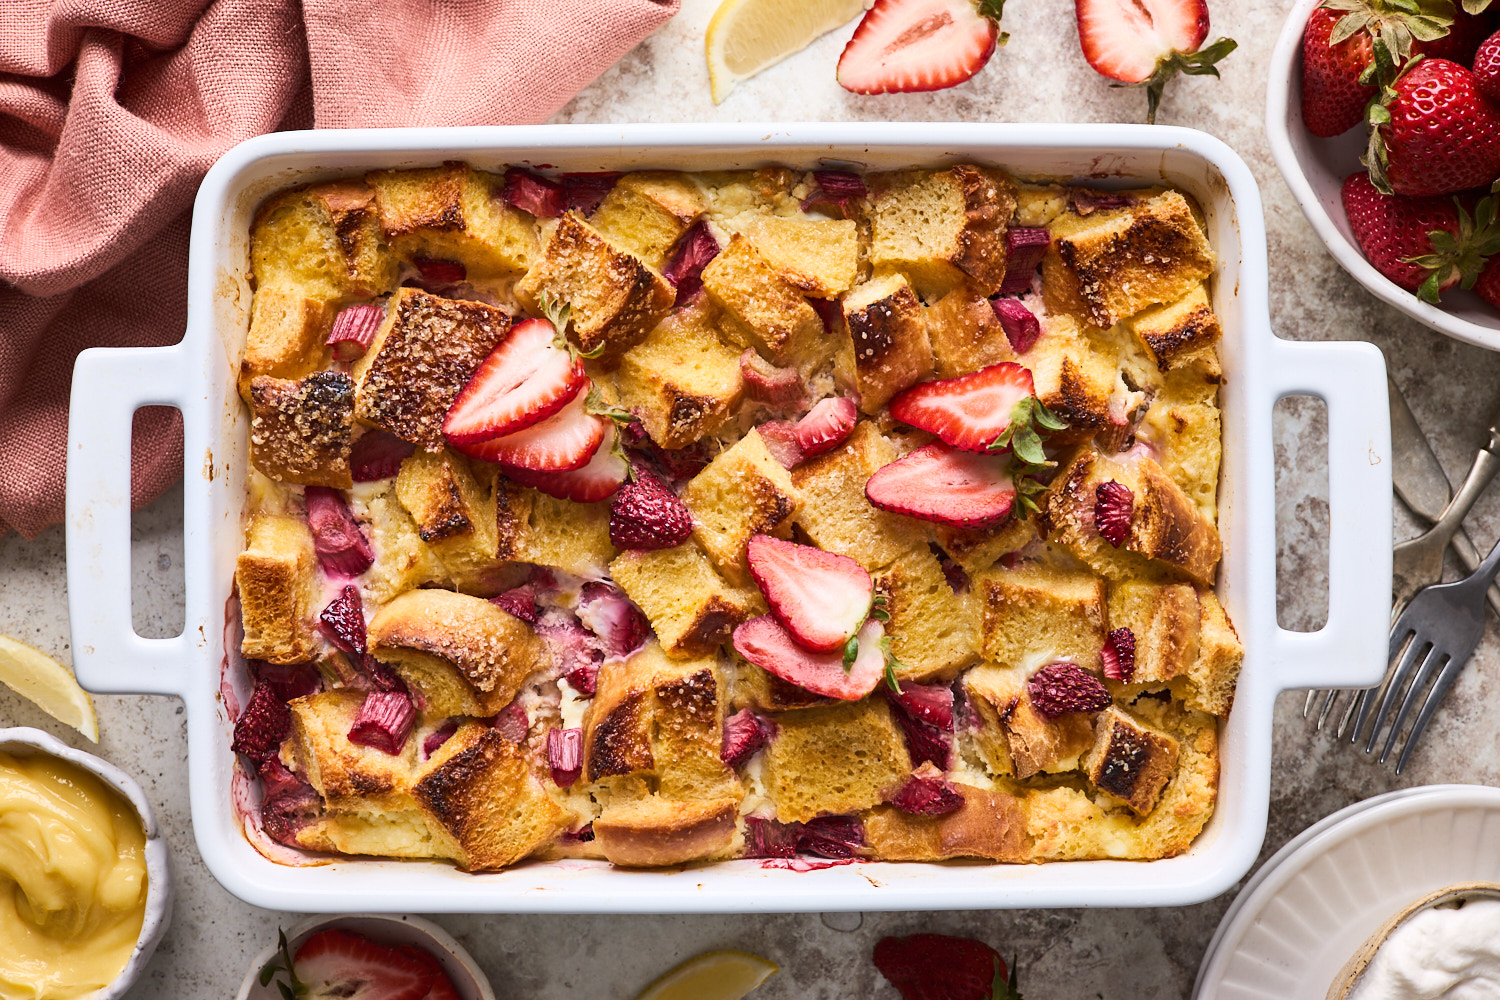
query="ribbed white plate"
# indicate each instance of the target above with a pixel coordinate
(1315, 902)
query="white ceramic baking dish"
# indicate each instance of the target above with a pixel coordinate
(198, 374)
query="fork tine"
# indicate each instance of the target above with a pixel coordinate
(1430, 663)
(1395, 682)
(1333, 695)
(1357, 699)
(1440, 688)
(1312, 696)
(1368, 697)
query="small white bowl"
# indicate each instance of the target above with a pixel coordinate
(23, 741)
(1315, 169)
(386, 928)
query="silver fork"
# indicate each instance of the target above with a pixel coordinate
(1440, 629)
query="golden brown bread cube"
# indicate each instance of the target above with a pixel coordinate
(617, 724)
(1183, 639)
(690, 606)
(646, 212)
(453, 213)
(453, 503)
(382, 832)
(768, 189)
(1074, 374)
(322, 242)
(1130, 760)
(1038, 205)
(285, 340)
(1171, 333)
(1037, 613)
(402, 560)
(1014, 737)
(465, 655)
(276, 575)
(818, 256)
(422, 355)
(933, 632)
(742, 492)
(656, 830)
(1195, 379)
(1187, 438)
(884, 347)
(347, 775)
(614, 299)
(965, 333)
(940, 226)
(990, 824)
(835, 760)
(764, 310)
(682, 381)
(561, 534)
(835, 512)
(976, 549)
(1109, 265)
(302, 431)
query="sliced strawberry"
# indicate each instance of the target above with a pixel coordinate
(927, 793)
(442, 987)
(563, 442)
(826, 425)
(528, 377)
(821, 597)
(338, 963)
(1147, 42)
(939, 967)
(765, 642)
(598, 480)
(902, 46)
(780, 439)
(969, 411)
(939, 483)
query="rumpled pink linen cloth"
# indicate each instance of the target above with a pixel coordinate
(111, 111)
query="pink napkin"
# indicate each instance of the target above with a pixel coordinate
(111, 111)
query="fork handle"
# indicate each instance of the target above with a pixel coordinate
(1488, 569)
(1486, 465)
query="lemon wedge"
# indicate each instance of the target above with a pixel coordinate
(714, 975)
(746, 36)
(48, 684)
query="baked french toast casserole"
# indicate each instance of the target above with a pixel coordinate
(674, 517)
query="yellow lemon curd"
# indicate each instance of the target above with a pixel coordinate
(72, 879)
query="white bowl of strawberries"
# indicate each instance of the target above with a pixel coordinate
(1437, 144)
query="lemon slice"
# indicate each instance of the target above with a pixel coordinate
(714, 975)
(48, 684)
(746, 36)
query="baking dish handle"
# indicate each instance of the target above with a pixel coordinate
(109, 385)
(1350, 650)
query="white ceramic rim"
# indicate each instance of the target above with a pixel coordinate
(197, 376)
(1283, 115)
(158, 914)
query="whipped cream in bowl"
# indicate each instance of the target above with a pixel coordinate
(1444, 946)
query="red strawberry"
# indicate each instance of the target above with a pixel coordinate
(1118, 655)
(926, 793)
(1147, 42)
(826, 425)
(821, 597)
(969, 411)
(604, 610)
(903, 46)
(598, 480)
(765, 642)
(1461, 40)
(1391, 230)
(939, 967)
(1061, 688)
(442, 987)
(645, 514)
(1488, 285)
(262, 727)
(528, 377)
(695, 250)
(1333, 99)
(1487, 69)
(1441, 135)
(939, 483)
(563, 442)
(378, 455)
(745, 734)
(1114, 509)
(342, 622)
(439, 273)
(338, 963)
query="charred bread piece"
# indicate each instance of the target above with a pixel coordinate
(1172, 332)
(818, 256)
(464, 655)
(690, 606)
(965, 333)
(1075, 375)
(1038, 612)
(933, 631)
(742, 492)
(402, 560)
(1129, 760)
(1110, 264)
(285, 340)
(347, 775)
(277, 574)
(422, 355)
(835, 760)
(614, 299)
(1183, 640)
(884, 347)
(762, 309)
(990, 824)
(1015, 739)
(453, 503)
(645, 213)
(453, 213)
(561, 534)
(941, 226)
(302, 432)
(681, 381)
(322, 242)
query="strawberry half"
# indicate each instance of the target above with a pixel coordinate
(821, 597)
(939, 967)
(597, 480)
(765, 642)
(1147, 42)
(969, 411)
(563, 442)
(527, 378)
(338, 963)
(939, 483)
(904, 46)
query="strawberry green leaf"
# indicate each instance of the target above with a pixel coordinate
(992, 9)
(851, 651)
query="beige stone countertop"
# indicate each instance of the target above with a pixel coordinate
(1064, 954)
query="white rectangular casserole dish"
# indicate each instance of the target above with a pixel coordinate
(198, 376)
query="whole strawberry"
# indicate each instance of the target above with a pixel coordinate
(1392, 230)
(645, 514)
(939, 967)
(1487, 69)
(1488, 285)
(1435, 133)
(1333, 98)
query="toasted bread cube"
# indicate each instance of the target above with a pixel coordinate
(287, 330)
(1220, 654)
(1014, 737)
(965, 333)
(1188, 440)
(1195, 379)
(617, 724)
(682, 381)
(402, 560)
(1164, 621)
(1074, 373)
(688, 702)
(940, 226)
(734, 192)
(818, 256)
(1167, 529)
(561, 534)
(322, 242)
(763, 690)
(614, 299)
(690, 606)
(465, 655)
(453, 503)
(1110, 264)
(990, 824)
(1129, 760)
(384, 833)
(422, 355)
(302, 432)
(347, 775)
(453, 213)
(1038, 613)
(764, 310)
(742, 492)
(481, 790)
(835, 760)
(657, 830)
(645, 213)
(1038, 205)
(837, 515)
(976, 549)
(933, 631)
(885, 347)
(1171, 333)
(277, 575)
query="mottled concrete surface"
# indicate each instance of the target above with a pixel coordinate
(1065, 955)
